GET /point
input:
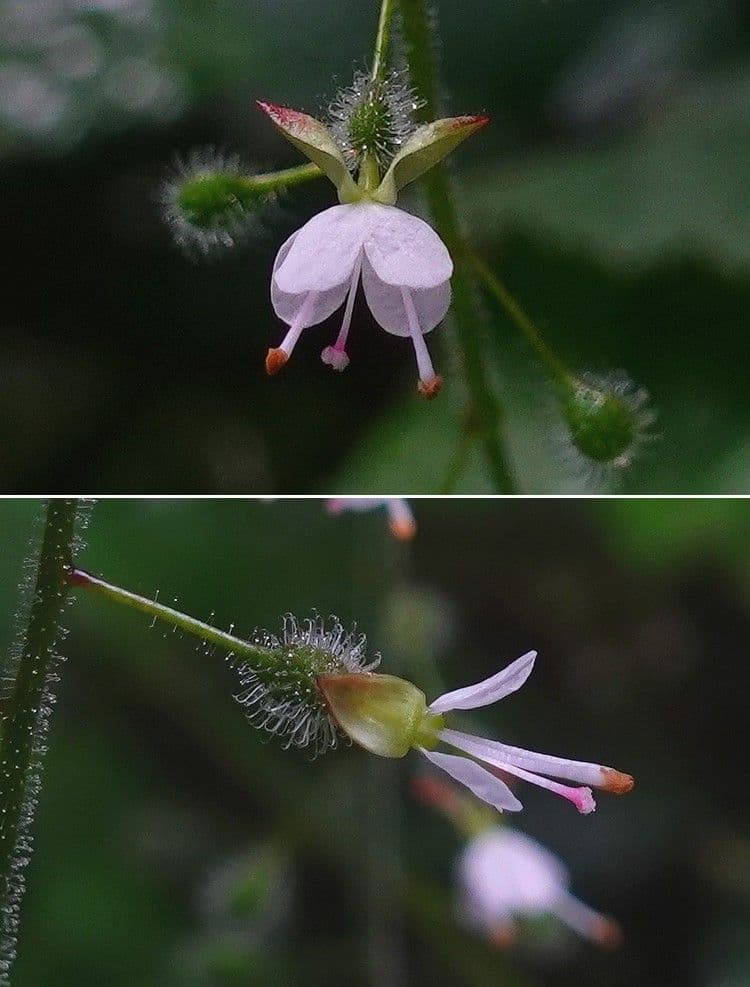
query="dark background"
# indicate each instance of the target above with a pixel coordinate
(610, 192)
(175, 847)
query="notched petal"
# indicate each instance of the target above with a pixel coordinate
(324, 251)
(404, 250)
(429, 144)
(316, 142)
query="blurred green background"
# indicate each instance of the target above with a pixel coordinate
(174, 846)
(610, 193)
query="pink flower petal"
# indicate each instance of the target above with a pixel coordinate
(481, 782)
(323, 253)
(405, 251)
(490, 690)
(386, 302)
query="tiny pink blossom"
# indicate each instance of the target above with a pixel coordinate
(488, 760)
(403, 265)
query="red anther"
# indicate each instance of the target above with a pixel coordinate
(430, 388)
(275, 360)
(616, 782)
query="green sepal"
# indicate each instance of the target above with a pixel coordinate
(316, 142)
(428, 144)
(382, 713)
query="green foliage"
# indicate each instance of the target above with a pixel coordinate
(674, 185)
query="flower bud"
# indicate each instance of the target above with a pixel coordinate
(382, 713)
(607, 419)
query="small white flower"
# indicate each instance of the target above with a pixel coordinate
(404, 266)
(504, 875)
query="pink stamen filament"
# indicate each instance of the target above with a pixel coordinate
(300, 322)
(581, 798)
(579, 917)
(346, 322)
(424, 363)
(400, 517)
(490, 750)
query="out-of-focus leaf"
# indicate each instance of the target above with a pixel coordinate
(410, 450)
(680, 183)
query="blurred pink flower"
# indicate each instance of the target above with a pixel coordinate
(504, 875)
(400, 518)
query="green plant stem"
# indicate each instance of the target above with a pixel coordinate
(382, 40)
(285, 178)
(158, 611)
(562, 374)
(486, 417)
(26, 718)
(457, 466)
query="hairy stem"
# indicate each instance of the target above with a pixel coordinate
(487, 417)
(26, 719)
(206, 632)
(382, 40)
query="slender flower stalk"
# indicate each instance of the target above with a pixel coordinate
(562, 374)
(207, 632)
(486, 415)
(26, 715)
(382, 40)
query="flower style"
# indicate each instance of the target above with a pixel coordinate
(504, 875)
(389, 716)
(400, 517)
(404, 266)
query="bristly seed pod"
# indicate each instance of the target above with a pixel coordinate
(373, 118)
(281, 695)
(608, 419)
(210, 203)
